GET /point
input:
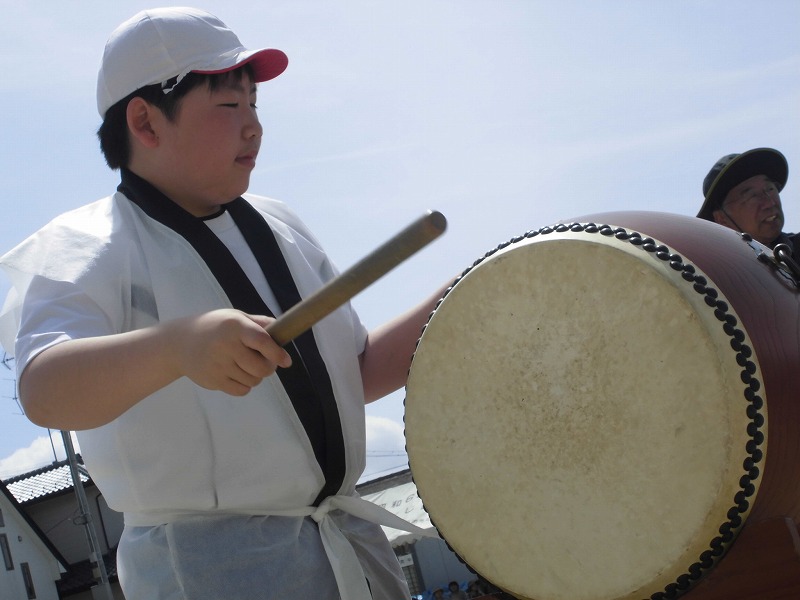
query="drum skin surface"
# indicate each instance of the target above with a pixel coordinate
(593, 411)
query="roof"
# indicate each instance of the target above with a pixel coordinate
(385, 482)
(403, 500)
(49, 481)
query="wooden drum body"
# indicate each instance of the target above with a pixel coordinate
(594, 410)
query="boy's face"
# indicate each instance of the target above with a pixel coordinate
(210, 149)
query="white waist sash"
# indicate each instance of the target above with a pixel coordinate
(346, 567)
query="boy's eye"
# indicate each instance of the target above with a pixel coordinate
(236, 104)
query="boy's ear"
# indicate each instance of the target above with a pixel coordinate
(140, 117)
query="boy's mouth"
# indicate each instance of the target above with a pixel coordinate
(248, 159)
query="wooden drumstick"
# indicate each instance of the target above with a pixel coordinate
(336, 292)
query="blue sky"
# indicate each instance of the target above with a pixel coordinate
(506, 115)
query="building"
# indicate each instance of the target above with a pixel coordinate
(47, 497)
(31, 564)
(427, 562)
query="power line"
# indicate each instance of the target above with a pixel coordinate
(385, 453)
(369, 475)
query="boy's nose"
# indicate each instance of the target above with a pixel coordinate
(253, 126)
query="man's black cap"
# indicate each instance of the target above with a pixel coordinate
(732, 169)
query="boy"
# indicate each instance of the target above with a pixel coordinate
(142, 327)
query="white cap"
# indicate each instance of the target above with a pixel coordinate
(155, 46)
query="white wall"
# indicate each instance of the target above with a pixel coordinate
(25, 547)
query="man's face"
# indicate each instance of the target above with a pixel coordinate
(755, 206)
(212, 146)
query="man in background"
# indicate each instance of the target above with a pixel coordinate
(742, 192)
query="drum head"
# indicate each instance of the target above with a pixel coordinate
(575, 419)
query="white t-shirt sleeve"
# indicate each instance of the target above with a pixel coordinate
(54, 312)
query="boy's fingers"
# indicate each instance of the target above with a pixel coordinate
(262, 320)
(265, 345)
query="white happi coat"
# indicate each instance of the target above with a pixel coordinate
(186, 451)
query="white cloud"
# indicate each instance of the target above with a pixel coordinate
(384, 434)
(38, 454)
(385, 447)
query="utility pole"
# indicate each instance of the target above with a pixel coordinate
(103, 590)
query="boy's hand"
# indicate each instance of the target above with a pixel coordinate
(227, 350)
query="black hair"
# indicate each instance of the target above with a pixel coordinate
(113, 133)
